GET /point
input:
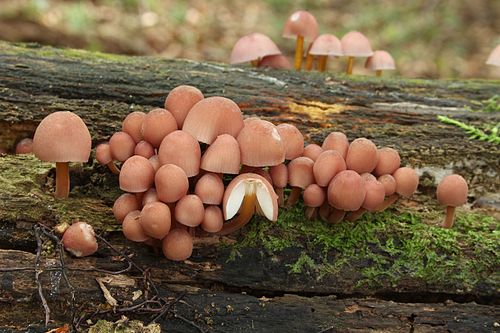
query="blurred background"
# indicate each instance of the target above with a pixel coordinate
(428, 38)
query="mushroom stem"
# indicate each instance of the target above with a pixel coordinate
(62, 180)
(254, 63)
(353, 216)
(113, 168)
(322, 63)
(324, 211)
(309, 62)
(299, 50)
(450, 217)
(281, 196)
(387, 202)
(336, 216)
(350, 65)
(378, 73)
(310, 212)
(294, 196)
(246, 212)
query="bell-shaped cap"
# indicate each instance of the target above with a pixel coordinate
(252, 47)
(180, 100)
(406, 181)
(157, 124)
(362, 156)
(355, 44)
(300, 172)
(292, 139)
(182, 149)
(132, 125)
(388, 161)
(452, 191)
(222, 156)
(327, 165)
(327, 45)
(210, 189)
(380, 61)
(171, 183)
(347, 191)
(301, 23)
(136, 175)
(336, 141)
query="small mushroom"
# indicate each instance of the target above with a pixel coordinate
(62, 137)
(355, 44)
(155, 219)
(452, 192)
(222, 156)
(388, 161)
(312, 151)
(171, 183)
(132, 229)
(300, 175)
(300, 25)
(123, 205)
(279, 176)
(336, 141)
(327, 165)
(178, 244)
(157, 124)
(79, 239)
(132, 125)
(253, 47)
(346, 192)
(103, 156)
(180, 100)
(144, 149)
(380, 61)
(362, 156)
(277, 61)
(137, 175)
(213, 220)
(210, 189)
(25, 146)
(122, 146)
(182, 149)
(189, 210)
(324, 46)
(314, 196)
(292, 139)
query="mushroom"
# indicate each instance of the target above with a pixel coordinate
(171, 183)
(132, 125)
(123, 205)
(157, 124)
(452, 192)
(243, 195)
(406, 184)
(180, 100)
(375, 193)
(178, 244)
(189, 210)
(253, 47)
(494, 57)
(210, 189)
(327, 165)
(121, 146)
(144, 149)
(314, 196)
(132, 229)
(279, 176)
(355, 44)
(312, 151)
(346, 192)
(292, 139)
(222, 156)
(277, 61)
(388, 161)
(336, 141)
(362, 156)
(324, 46)
(300, 175)
(103, 156)
(79, 239)
(155, 219)
(182, 149)
(213, 220)
(300, 25)
(137, 175)
(380, 61)
(62, 137)
(25, 146)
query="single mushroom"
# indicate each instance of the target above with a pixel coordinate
(213, 220)
(324, 46)
(189, 210)
(388, 161)
(137, 175)
(144, 149)
(243, 195)
(157, 124)
(180, 100)
(346, 192)
(121, 146)
(62, 137)
(300, 25)
(314, 196)
(171, 183)
(380, 61)
(279, 176)
(406, 184)
(155, 219)
(362, 156)
(123, 205)
(327, 165)
(178, 244)
(355, 44)
(300, 175)
(292, 139)
(79, 239)
(452, 192)
(210, 189)
(132, 229)
(182, 149)
(251, 48)
(336, 141)
(103, 156)
(375, 193)
(24, 146)
(312, 151)
(132, 125)
(222, 156)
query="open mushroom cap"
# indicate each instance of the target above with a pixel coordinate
(380, 61)
(222, 156)
(62, 137)
(210, 189)
(301, 23)
(79, 239)
(327, 45)
(260, 144)
(494, 57)
(132, 125)
(157, 124)
(406, 181)
(292, 139)
(178, 244)
(327, 165)
(388, 161)
(171, 183)
(362, 156)
(182, 149)
(452, 191)
(136, 175)
(248, 183)
(347, 191)
(355, 44)
(300, 172)
(277, 61)
(122, 146)
(336, 141)
(212, 117)
(180, 100)
(252, 47)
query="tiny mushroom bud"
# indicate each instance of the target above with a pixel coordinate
(144, 149)
(123, 205)
(132, 125)
(62, 137)
(389, 184)
(132, 229)
(314, 196)
(380, 61)
(171, 183)
(362, 156)
(189, 210)
(137, 175)
(252, 48)
(210, 189)
(388, 161)
(79, 239)
(452, 192)
(122, 146)
(347, 191)
(213, 220)
(180, 100)
(178, 244)
(336, 141)
(155, 219)
(300, 25)
(157, 124)
(25, 146)
(327, 165)
(355, 44)
(103, 156)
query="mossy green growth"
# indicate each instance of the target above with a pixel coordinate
(386, 247)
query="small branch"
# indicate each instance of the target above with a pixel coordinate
(38, 271)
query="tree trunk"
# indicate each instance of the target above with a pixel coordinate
(394, 271)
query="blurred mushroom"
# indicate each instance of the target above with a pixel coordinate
(380, 61)
(300, 25)
(79, 239)
(300, 175)
(103, 156)
(277, 61)
(325, 46)
(312, 151)
(251, 48)
(62, 137)
(452, 192)
(144, 149)
(355, 44)
(494, 57)
(25, 146)
(388, 161)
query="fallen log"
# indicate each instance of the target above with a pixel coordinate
(395, 270)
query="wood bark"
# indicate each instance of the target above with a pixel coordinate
(254, 290)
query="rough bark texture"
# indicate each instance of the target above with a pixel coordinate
(391, 272)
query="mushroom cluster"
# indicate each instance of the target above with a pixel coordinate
(261, 51)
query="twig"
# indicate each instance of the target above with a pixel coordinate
(327, 329)
(167, 307)
(38, 271)
(189, 322)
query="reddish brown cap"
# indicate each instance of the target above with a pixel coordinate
(178, 244)
(336, 141)
(292, 139)
(25, 146)
(301, 23)
(279, 175)
(314, 195)
(212, 117)
(137, 175)
(210, 189)
(252, 47)
(327, 45)
(132, 229)
(222, 156)
(103, 153)
(327, 165)
(189, 210)
(277, 61)
(121, 146)
(452, 191)
(347, 191)
(156, 125)
(375, 193)
(260, 144)
(182, 149)
(406, 181)
(79, 239)
(300, 172)
(132, 125)
(380, 61)
(213, 220)
(362, 156)
(171, 183)
(388, 161)
(355, 44)
(389, 184)
(144, 149)
(123, 205)
(155, 219)
(180, 100)
(62, 137)
(494, 57)
(312, 151)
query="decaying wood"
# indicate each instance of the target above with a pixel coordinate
(253, 290)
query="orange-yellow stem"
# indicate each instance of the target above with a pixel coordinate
(322, 63)
(324, 211)
(62, 180)
(299, 51)
(246, 212)
(350, 65)
(353, 216)
(294, 196)
(281, 196)
(311, 212)
(309, 62)
(336, 216)
(450, 217)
